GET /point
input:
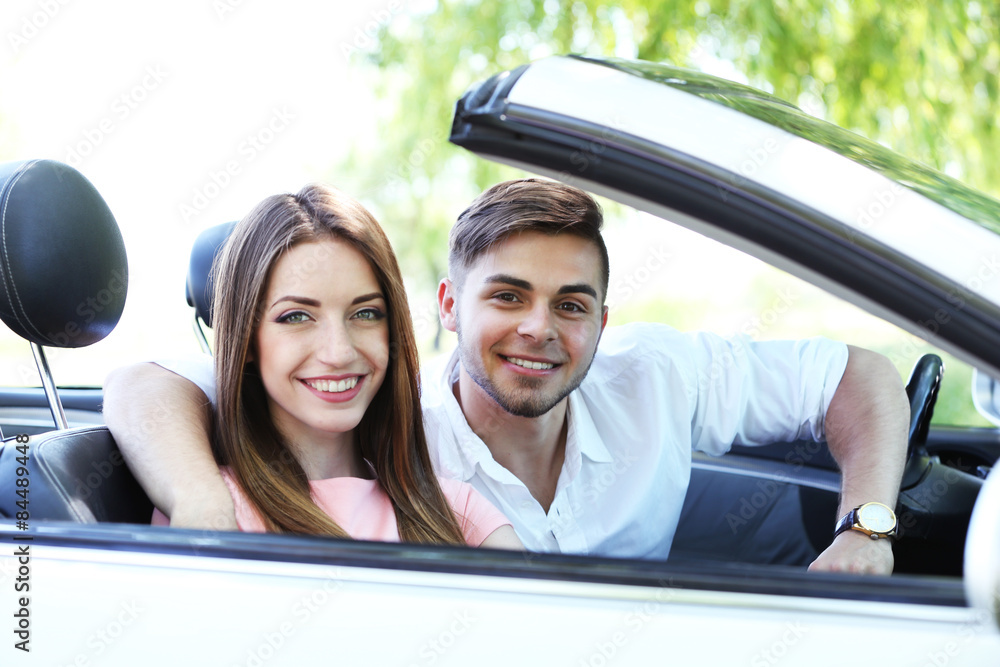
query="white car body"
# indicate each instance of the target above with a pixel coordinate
(125, 594)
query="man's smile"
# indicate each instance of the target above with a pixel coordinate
(529, 363)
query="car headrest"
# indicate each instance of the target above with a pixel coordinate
(199, 277)
(63, 267)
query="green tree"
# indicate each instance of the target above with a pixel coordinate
(920, 78)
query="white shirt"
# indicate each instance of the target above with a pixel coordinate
(652, 396)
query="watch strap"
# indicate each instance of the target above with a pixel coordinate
(845, 522)
(849, 520)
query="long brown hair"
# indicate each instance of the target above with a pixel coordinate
(391, 433)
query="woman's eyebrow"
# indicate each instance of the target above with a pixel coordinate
(305, 301)
(367, 297)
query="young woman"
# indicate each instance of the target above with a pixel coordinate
(318, 428)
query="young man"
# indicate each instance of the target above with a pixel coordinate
(585, 449)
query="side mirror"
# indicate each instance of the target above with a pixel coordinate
(986, 396)
(982, 552)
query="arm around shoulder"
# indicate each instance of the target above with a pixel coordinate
(162, 422)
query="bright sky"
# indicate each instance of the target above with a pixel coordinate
(183, 115)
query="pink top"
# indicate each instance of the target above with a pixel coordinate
(362, 508)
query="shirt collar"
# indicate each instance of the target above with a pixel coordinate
(470, 447)
(582, 432)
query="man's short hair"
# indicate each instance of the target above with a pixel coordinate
(526, 205)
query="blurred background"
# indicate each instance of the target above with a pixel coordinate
(185, 114)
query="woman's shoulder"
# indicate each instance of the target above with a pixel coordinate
(458, 493)
(477, 516)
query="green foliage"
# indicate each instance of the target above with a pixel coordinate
(919, 78)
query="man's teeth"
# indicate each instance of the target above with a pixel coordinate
(334, 386)
(533, 365)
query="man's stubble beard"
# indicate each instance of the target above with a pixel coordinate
(531, 403)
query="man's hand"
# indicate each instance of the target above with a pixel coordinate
(853, 551)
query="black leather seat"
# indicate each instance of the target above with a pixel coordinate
(64, 277)
(76, 475)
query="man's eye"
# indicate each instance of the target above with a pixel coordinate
(571, 307)
(292, 318)
(506, 296)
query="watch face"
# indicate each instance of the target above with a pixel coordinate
(876, 517)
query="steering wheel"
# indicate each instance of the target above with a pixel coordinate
(922, 390)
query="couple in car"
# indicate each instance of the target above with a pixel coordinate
(576, 434)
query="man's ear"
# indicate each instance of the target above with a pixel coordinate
(447, 304)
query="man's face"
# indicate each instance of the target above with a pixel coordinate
(529, 316)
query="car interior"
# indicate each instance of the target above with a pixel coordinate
(765, 505)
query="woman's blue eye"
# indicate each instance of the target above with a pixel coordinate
(293, 318)
(369, 314)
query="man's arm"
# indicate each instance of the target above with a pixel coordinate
(867, 425)
(162, 423)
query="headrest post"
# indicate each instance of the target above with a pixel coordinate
(55, 405)
(199, 333)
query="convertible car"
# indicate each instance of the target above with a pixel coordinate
(86, 580)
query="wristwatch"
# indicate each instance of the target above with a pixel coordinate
(875, 520)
